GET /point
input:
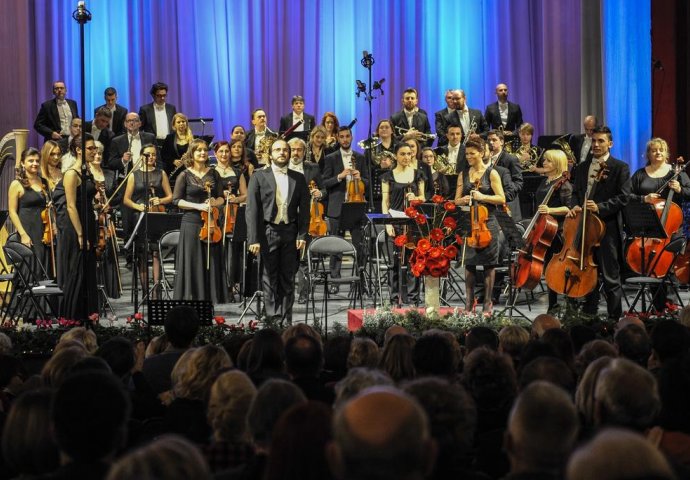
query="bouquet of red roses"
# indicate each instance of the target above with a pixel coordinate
(437, 246)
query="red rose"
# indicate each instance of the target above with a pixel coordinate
(421, 219)
(449, 206)
(411, 212)
(450, 252)
(436, 234)
(400, 240)
(423, 245)
(450, 223)
(437, 199)
(139, 316)
(416, 202)
(219, 320)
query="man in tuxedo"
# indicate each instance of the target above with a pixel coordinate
(297, 114)
(311, 172)
(455, 154)
(412, 118)
(500, 158)
(68, 158)
(117, 120)
(125, 149)
(442, 118)
(277, 225)
(259, 132)
(156, 117)
(341, 166)
(609, 197)
(467, 117)
(55, 116)
(99, 128)
(503, 114)
(581, 144)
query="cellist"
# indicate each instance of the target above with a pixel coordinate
(489, 194)
(647, 181)
(608, 199)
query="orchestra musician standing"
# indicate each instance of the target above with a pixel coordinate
(297, 114)
(384, 132)
(51, 156)
(610, 195)
(316, 149)
(412, 120)
(176, 143)
(330, 122)
(277, 224)
(502, 114)
(501, 158)
(443, 117)
(480, 183)
(439, 182)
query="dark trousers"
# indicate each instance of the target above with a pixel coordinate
(357, 240)
(280, 261)
(607, 257)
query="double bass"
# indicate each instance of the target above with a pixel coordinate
(538, 236)
(573, 272)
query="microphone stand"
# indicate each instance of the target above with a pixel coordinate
(367, 62)
(82, 16)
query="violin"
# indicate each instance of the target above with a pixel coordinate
(573, 272)
(648, 253)
(49, 233)
(480, 236)
(354, 190)
(317, 225)
(103, 234)
(154, 208)
(210, 230)
(230, 215)
(538, 236)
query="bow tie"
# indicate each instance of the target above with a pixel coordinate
(282, 170)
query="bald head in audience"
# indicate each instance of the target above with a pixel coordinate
(617, 454)
(381, 434)
(542, 323)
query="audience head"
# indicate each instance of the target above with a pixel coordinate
(89, 414)
(196, 370)
(669, 340)
(300, 329)
(481, 337)
(551, 370)
(454, 344)
(11, 370)
(542, 323)
(396, 359)
(303, 356)
(86, 337)
(683, 317)
(616, 454)
(181, 326)
(233, 345)
(674, 390)
(266, 353)
(358, 379)
(433, 355)
(584, 394)
(363, 353)
(170, 457)
(228, 407)
(560, 339)
(592, 351)
(60, 365)
(542, 430)
(381, 434)
(392, 331)
(335, 352)
(633, 343)
(580, 335)
(272, 399)
(511, 341)
(118, 353)
(490, 378)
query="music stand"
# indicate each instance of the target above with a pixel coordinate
(642, 221)
(351, 214)
(515, 242)
(198, 128)
(158, 310)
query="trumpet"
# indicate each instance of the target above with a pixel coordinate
(422, 135)
(471, 131)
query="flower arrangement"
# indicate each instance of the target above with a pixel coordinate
(433, 252)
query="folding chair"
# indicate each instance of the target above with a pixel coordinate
(384, 263)
(167, 248)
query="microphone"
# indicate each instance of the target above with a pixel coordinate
(365, 54)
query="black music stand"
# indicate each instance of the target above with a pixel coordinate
(452, 285)
(642, 222)
(515, 242)
(158, 310)
(351, 214)
(198, 128)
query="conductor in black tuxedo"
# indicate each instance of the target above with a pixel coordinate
(277, 224)
(340, 167)
(151, 113)
(55, 115)
(117, 121)
(297, 114)
(609, 198)
(503, 114)
(413, 119)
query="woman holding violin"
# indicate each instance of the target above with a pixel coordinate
(148, 181)
(199, 257)
(481, 189)
(657, 183)
(398, 188)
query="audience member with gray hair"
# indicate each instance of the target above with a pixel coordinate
(357, 380)
(363, 353)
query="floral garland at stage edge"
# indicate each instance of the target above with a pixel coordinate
(433, 252)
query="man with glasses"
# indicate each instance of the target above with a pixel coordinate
(156, 117)
(125, 149)
(55, 116)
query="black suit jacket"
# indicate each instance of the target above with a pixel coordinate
(337, 189)
(441, 120)
(313, 172)
(262, 208)
(477, 117)
(493, 116)
(48, 119)
(420, 122)
(576, 142)
(148, 117)
(251, 137)
(120, 144)
(106, 137)
(118, 118)
(286, 122)
(461, 163)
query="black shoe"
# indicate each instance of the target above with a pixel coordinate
(333, 289)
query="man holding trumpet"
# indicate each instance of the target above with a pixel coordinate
(411, 120)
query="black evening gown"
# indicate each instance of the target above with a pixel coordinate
(31, 204)
(233, 250)
(490, 255)
(108, 273)
(79, 288)
(193, 280)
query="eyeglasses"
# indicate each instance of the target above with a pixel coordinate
(132, 120)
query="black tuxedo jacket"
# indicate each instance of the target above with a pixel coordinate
(512, 164)
(48, 119)
(461, 164)
(286, 122)
(262, 208)
(106, 137)
(441, 120)
(118, 118)
(576, 142)
(493, 116)
(611, 194)
(477, 117)
(148, 117)
(120, 144)
(337, 189)
(251, 137)
(420, 122)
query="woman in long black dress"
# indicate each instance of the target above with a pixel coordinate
(646, 182)
(398, 187)
(196, 188)
(554, 163)
(152, 182)
(482, 184)
(316, 148)
(384, 132)
(51, 157)
(78, 283)
(176, 143)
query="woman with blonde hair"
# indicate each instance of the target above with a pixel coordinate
(316, 148)
(51, 157)
(176, 143)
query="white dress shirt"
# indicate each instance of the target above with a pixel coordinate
(162, 127)
(65, 114)
(503, 111)
(296, 118)
(282, 192)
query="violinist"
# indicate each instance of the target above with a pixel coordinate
(277, 224)
(311, 173)
(198, 189)
(399, 187)
(148, 181)
(610, 195)
(554, 163)
(647, 182)
(481, 186)
(176, 143)
(51, 157)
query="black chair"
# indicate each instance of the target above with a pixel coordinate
(384, 263)
(167, 248)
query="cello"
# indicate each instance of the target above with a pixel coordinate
(573, 272)
(538, 236)
(649, 254)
